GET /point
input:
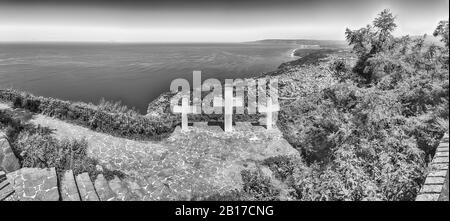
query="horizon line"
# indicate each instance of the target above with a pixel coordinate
(133, 42)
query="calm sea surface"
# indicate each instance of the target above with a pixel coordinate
(132, 73)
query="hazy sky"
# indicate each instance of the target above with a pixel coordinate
(206, 20)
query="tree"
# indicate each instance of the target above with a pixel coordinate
(442, 31)
(369, 41)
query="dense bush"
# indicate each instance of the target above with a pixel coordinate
(257, 186)
(108, 117)
(368, 133)
(13, 123)
(44, 151)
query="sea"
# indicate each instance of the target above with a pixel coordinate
(132, 73)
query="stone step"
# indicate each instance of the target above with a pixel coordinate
(6, 189)
(441, 154)
(438, 173)
(104, 192)
(69, 189)
(86, 188)
(435, 181)
(431, 188)
(34, 184)
(3, 182)
(427, 197)
(2, 175)
(7, 192)
(12, 197)
(439, 166)
(441, 160)
(443, 147)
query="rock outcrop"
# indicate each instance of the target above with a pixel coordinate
(8, 161)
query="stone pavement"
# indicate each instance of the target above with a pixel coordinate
(6, 189)
(200, 162)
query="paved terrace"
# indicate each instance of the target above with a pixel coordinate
(198, 163)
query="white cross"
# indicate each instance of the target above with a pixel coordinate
(269, 109)
(184, 109)
(230, 102)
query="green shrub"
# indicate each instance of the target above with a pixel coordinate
(17, 102)
(108, 118)
(35, 147)
(14, 124)
(116, 107)
(366, 139)
(257, 186)
(44, 151)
